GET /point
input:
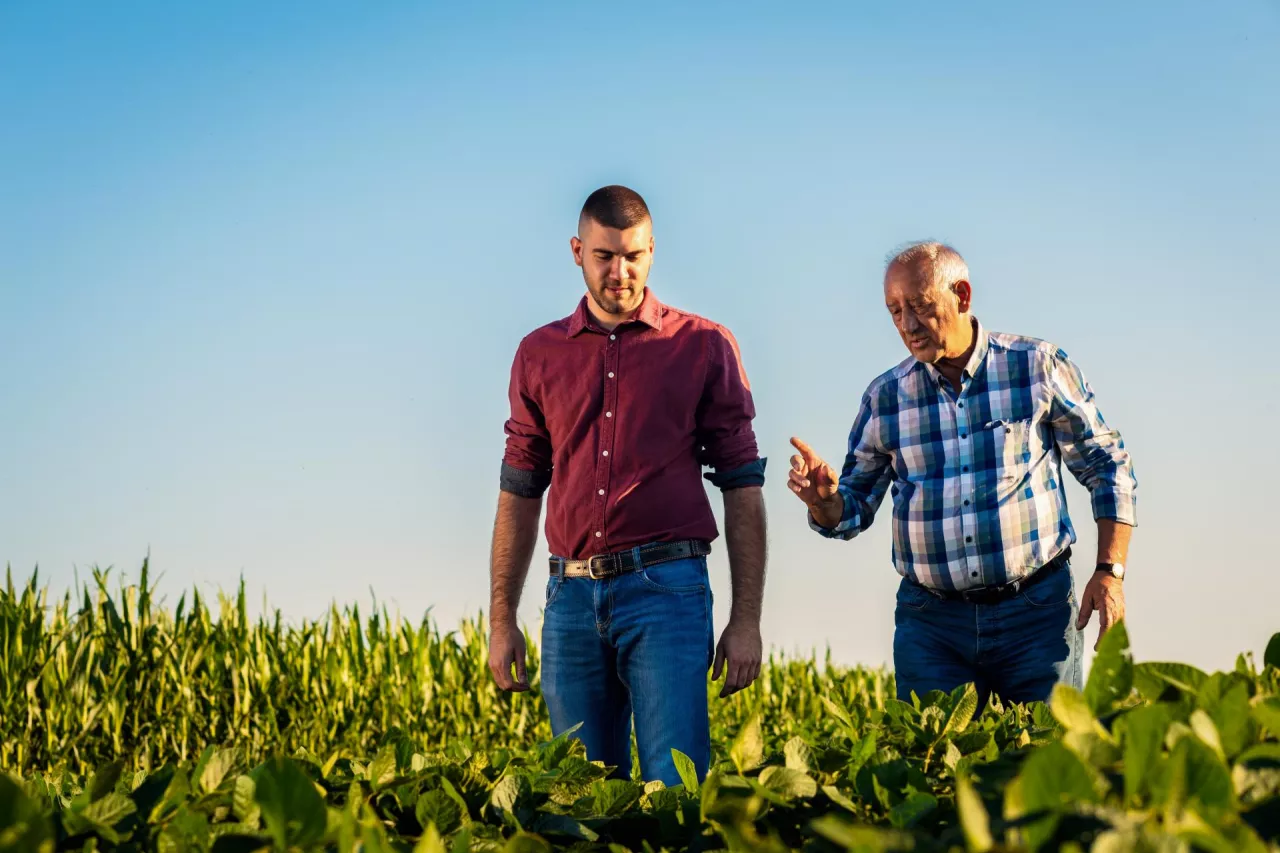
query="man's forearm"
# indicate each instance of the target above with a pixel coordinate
(1113, 541)
(515, 532)
(746, 535)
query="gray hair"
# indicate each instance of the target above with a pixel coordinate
(930, 261)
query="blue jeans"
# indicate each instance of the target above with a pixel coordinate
(638, 644)
(1018, 648)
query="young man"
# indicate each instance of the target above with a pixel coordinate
(617, 408)
(969, 433)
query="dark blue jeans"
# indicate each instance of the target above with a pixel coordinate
(634, 646)
(1018, 648)
(638, 644)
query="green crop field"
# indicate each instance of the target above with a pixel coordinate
(130, 725)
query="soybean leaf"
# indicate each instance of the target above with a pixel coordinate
(23, 826)
(973, 817)
(747, 750)
(436, 808)
(799, 755)
(1071, 709)
(687, 770)
(1267, 713)
(788, 783)
(292, 809)
(910, 811)
(104, 780)
(962, 711)
(243, 804)
(1111, 677)
(1143, 732)
(216, 767)
(1152, 679)
(430, 841)
(1271, 657)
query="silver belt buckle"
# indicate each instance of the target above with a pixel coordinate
(591, 566)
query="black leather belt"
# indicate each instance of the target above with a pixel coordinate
(994, 594)
(603, 566)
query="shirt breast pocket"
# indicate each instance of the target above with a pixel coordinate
(1011, 440)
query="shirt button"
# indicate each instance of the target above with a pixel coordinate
(964, 435)
(966, 503)
(602, 491)
(613, 337)
(610, 375)
(975, 574)
(597, 534)
(965, 469)
(606, 453)
(959, 405)
(610, 414)
(968, 538)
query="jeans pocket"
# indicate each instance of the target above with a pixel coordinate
(1053, 591)
(913, 596)
(554, 585)
(679, 577)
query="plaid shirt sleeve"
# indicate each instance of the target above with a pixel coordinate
(865, 478)
(1093, 451)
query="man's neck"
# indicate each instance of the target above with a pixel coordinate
(608, 321)
(952, 367)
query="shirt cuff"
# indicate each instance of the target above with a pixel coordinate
(847, 528)
(1116, 505)
(751, 474)
(522, 483)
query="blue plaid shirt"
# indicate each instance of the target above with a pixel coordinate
(976, 479)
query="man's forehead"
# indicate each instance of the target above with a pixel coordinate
(899, 281)
(633, 239)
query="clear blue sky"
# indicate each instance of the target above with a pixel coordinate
(263, 267)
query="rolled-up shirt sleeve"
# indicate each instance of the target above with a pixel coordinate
(526, 464)
(1093, 451)
(864, 480)
(727, 442)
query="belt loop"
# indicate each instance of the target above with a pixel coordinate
(636, 559)
(560, 568)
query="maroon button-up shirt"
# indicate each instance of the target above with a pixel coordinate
(619, 425)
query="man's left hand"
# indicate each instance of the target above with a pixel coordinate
(1105, 594)
(738, 655)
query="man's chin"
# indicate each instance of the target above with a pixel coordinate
(611, 305)
(927, 354)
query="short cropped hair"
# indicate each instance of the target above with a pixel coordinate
(615, 207)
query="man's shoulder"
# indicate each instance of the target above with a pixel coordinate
(689, 321)
(893, 377)
(1004, 342)
(556, 330)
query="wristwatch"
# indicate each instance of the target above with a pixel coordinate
(1116, 570)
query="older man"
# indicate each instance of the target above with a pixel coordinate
(969, 434)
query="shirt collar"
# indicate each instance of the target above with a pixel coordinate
(650, 313)
(981, 345)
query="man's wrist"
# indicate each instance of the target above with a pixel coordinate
(1113, 570)
(501, 617)
(829, 512)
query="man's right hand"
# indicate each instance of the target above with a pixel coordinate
(506, 647)
(816, 483)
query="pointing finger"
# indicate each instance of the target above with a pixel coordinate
(805, 450)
